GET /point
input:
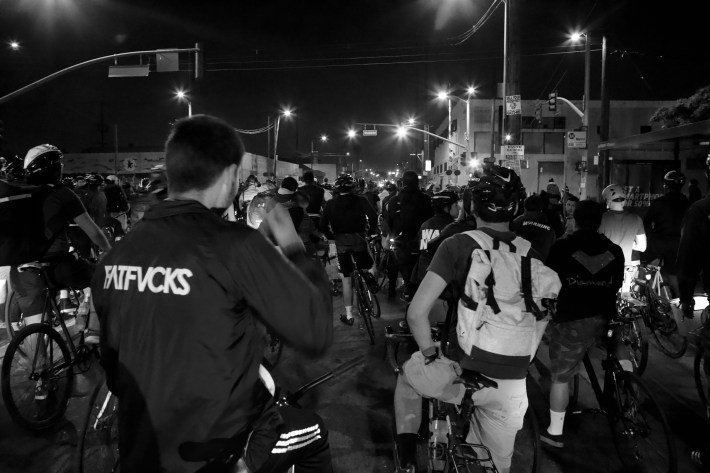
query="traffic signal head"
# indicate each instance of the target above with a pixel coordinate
(552, 101)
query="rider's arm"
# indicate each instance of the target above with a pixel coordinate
(371, 216)
(92, 231)
(640, 240)
(427, 294)
(325, 220)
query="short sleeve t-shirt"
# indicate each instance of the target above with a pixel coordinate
(621, 228)
(61, 206)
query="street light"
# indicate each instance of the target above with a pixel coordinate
(323, 139)
(183, 97)
(470, 91)
(14, 45)
(575, 37)
(285, 113)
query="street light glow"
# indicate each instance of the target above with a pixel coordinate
(181, 94)
(401, 131)
(471, 90)
(442, 95)
(351, 133)
(410, 121)
(508, 137)
(576, 36)
(324, 138)
(287, 112)
(14, 45)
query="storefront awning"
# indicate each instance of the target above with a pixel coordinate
(691, 131)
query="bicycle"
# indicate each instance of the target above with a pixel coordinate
(631, 335)
(15, 320)
(452, 453)
(639, 427)
(38, 368)
(97, 447)
(367, 303)
(656, 310)
(385, 259)
(699, 373)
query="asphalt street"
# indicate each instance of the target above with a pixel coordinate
(357, 407)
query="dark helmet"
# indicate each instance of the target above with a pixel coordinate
(43, 165)
(11, 168)
(344, 183)
(674, 180)
(69, 182)
(93, 180)
(443, 199)
(494, 191)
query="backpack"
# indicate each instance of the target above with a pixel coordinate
(22, 230)
(499, 310)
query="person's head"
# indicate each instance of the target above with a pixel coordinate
(570, 205)
(410, 180)
(494, 194)
(112, 179)
(252, 181)
(391, 187)
(553, 192)
(371, 186)
(308, 177)
(289, 185)
(344, 184)
(43, 165)
(302, 199)
(614, 196)
(533, 203)
(93, 180)
(588, 215)
(446, 202)
(203, 153)
(673, 181)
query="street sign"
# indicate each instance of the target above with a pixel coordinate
(513, 151)
(367, 132)
(512, 105)
(576, 139)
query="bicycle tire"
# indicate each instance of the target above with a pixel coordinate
(526, 456)
(701, 382)
(665, 332)
(364, 306)
(424, 463)
(633, 338)
(639, 426)
(97, 448)
(382, 270)
(45, 413)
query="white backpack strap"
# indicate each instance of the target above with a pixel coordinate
(519, 245)
(482, 238)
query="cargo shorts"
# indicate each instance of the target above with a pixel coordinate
(569, 341)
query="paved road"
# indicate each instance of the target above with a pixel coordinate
(357, 408)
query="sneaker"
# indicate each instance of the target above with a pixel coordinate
(406, 450)
(552, 440)
(41, 391)
(347, 321)
(91, 337)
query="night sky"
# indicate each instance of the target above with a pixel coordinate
(334, 62)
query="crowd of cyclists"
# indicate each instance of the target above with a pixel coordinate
(188, 287)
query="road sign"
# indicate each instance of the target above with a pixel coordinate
(513, 151)
(512, 105)
(576, 139)
(367, 132)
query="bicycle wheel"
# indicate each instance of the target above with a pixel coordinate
(665, 329)
(701, 380)
(37, 377)
(526, 457)
(14, 321)
(97, 449)
(382, 270)
(364, 304)
(641, 433)
(373, 302)
(633, 338)
(424, 463)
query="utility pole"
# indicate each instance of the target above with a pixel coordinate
(604, 163)
(513, 69)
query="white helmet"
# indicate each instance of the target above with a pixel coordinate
(613, 192)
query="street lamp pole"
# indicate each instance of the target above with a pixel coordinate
(505, 69)
(276, 143)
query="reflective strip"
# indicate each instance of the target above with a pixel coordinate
(295, 447)
(288, 435)
(295, 440)
(15, 197)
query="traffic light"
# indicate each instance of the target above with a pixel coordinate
(552, 101)
(199, 61)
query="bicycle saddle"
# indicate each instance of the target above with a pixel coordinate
(475, 380)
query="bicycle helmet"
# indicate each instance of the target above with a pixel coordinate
(43, 165)
(494, 191)
(673, 180)
(344, 183)
(93, 180)
(443, 199)
(69, 182)
(614, 193)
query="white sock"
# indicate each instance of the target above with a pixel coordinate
(349, 311)
(626, 365)
(557, 423)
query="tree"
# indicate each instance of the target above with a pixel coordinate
(689, 110)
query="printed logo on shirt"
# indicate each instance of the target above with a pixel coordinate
(427, 236)
(156, 279)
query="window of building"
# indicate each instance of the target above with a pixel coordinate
(554, 143)
(534, 142)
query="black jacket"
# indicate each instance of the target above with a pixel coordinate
(591, 269)
(407, 211)
(694, 250)
(183, 301)
(534, 227)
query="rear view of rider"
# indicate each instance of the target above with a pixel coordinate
(185, 300)
(60, 207)
(663, 222)
(349, 218)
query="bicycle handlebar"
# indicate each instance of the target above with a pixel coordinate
(292, 398)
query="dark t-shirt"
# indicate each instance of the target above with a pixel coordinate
(316, 194)
(60, 207)
(348, 213)
(534, 227)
